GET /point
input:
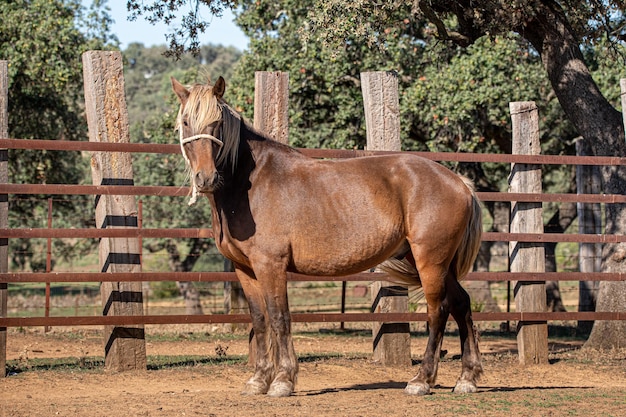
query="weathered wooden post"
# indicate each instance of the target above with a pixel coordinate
(532, 337)
(392, 341)
(271, 104)
(107, 118)
(4, 208)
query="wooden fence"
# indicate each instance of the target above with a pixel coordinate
(271, 87)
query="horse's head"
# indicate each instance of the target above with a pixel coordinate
(205, 124)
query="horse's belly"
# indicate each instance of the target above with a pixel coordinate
(342, 256)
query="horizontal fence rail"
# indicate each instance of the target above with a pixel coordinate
(182, 191)
(61, 145)
(296, 317)
(208, 233)
(22, 277)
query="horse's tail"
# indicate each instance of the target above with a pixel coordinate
(403, 272)
(470, 243)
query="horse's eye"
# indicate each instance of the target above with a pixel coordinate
(185, 123)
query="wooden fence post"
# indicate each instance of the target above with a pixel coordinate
(271, 104)
(107, 118)
(4, 208)
(391, 341)
(588, 181)
(532, 337)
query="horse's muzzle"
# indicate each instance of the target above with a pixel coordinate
(206, 183)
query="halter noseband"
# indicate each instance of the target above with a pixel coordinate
(202, 136)
(183, 141)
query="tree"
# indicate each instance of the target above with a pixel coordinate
(43, 42)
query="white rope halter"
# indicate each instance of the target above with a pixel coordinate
(183, 141)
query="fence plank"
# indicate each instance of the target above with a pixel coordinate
(24, 277)
(4, 208)
(392, 342)
(532, 337)
(66, 145)
(105, 106)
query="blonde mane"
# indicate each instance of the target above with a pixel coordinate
(201, 109)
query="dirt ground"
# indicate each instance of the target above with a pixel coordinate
(337, 378)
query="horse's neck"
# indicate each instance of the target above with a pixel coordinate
(255, 149)
(236, 181)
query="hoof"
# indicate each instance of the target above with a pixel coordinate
(280, 389)
(417, 388)
(464, 387)
(254, 387)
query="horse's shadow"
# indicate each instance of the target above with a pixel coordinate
(398, 385)
(395, 385)
(527, 388)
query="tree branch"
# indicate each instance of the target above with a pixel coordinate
(442, 32)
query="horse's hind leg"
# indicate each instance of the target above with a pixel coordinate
(460, 308)
(433, 283)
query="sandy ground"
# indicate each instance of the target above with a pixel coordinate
(337, 378)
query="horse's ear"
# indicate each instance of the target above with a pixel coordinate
(219, 87)
(180, 90)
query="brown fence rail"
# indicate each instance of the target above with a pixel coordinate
(297, 317)
(60, 145)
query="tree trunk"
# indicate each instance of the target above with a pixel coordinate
(558, 223)
(589, 221)
(187, 289)
(191, 296)
(602, 128)
(480, 291)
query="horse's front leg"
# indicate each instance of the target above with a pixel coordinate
(272, 278)
(259, 383)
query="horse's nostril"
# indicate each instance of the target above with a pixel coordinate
(199, 179)
(204, 181)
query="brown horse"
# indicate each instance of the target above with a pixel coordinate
(276, 211)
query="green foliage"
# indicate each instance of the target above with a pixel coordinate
(461, 23)
(164, 289)
(147, 77)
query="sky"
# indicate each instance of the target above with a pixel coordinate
(222, 30)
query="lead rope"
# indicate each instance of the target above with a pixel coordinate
(183, 141)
